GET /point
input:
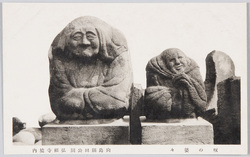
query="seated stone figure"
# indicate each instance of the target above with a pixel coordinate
(174, 87)
(90, 71)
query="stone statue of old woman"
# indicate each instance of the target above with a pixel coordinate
(90, 71)
(174, 87)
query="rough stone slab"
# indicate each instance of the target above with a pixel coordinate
(219, 67)
(228, 112)
(135, 111)
(92, 132)
(177, 131)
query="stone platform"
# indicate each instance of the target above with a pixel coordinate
(88, 132)
(177, 131)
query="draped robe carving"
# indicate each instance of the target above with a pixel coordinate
(90, 82)
(170, 94)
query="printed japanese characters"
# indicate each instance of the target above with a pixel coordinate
(90, 71)
(174, 87)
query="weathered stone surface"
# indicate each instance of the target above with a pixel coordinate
(219, 66)
(37, 132)
(90, 71)
(28, 136)
(24, 137)
(175, 88)
(177, 131)
(87, 132)
(46, 118)
(136, 110)
(17, 125)
(228, 127)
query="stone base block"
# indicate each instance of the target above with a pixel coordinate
(228, 128)
(88, 132)
(177, 131)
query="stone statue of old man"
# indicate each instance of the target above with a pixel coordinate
(90, 71)
(174, 87)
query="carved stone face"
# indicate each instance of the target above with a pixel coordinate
(176, 62)
(84, 41)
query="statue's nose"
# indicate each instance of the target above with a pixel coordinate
(177, 61)
(85, 41)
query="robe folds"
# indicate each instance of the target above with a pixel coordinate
(165, 98)
(98, 87)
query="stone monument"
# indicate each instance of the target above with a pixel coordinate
(224, 103)
(175, 97)
(229, 109)
(90, 72)
(174, 87)
(219, 67)
(90, 79)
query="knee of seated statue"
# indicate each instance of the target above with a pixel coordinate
(74, 103)
(68, 108)
(158, 101)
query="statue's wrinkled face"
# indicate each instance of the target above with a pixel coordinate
(84, 41)
(176, 62)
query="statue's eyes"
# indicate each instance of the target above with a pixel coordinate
(180, 57)
(172, 60)
(77, 36)
(90, 36)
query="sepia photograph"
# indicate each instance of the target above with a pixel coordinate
(124, 78)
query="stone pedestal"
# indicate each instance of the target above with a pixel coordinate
(88, 132)
(177, 131)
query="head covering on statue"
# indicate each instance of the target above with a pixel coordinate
(90, 71)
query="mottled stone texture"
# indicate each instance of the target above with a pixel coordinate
(228, 127)
(17, 125)
(29, 136)
(46, 118)
(90, 71)
(90, 132)
(116, 133)
(175, 88)
(24, 138)
(136, 110)
(177, 131)
(219, 67)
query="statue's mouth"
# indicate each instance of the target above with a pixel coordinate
(86, 51)
(178, 67)
(84, 48)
